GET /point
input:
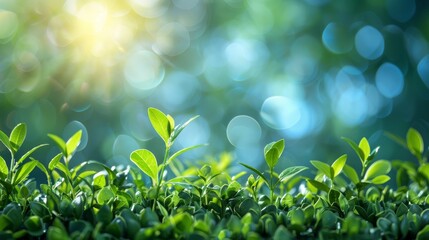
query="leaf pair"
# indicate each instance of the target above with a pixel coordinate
(333, 170)
(377, 172)
(16, 138)
(363, 150)
(164, 125)
(67, 148)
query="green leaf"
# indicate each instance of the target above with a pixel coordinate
(160, 123)
(179, 128)
(146, 161)
(73, 143)
(180, 152)
(255, 171)
(42, 168)
(378, 168)
(356, 148)
(351, 174)
(380, 179)
(339, 164)
(104, 195)
(272, 157)
(364, 146)
(318, 185)
(4, 171)
(273, 151)
(415, 142)
(53, 163)
(17, 136)
(290, 172)
(30, 152)
(5, 140)
(324, 168)
(60, 143)
(23, 172)
(423, 234)
(34, 226)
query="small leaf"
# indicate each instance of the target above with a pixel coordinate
(179, 128)
(415, 142)
(279, 145)
(73, 143)
(180, 152)
(290, 172)
(339, 164)
(104, 195)
(364, 146)
(160, 123)
(60, 143)
(324, 168)
(378, 168)
(5, 140)
(34, 225)
(356, 148)
(4, 171)
(318, 185)
(351, 174)
(256, 171)
(272, 157)
(23, 172)
(146, 161)
(53, 163)
(29, 153)
(17, 136)
(380, 179)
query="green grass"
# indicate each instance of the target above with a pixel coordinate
(204, 201)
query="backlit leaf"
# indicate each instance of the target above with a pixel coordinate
(73, 143)
(5, 140)
(318, 185)
(290, 172)
(339, 164)
(414, 142)
(364, 146)
(256, 171)
(378, 168)
(23, 172)
(356, 148)
(272, 157)
(351, 174)
(4, 171)
(146, 161)
(180, 152)
(60, 143)
(160, 123)
(30, 152)
(380, 179)
(17, 136)
(324, 168)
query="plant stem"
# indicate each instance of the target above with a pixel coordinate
(12, 163)
(161, 175)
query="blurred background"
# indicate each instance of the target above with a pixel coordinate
(309, 71)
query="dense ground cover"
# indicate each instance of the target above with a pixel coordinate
(204, 201)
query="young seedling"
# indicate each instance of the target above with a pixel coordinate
(376, 173)
(165, 126)
(16, 174)
(272, 153)
(330, 171)
(407, 169)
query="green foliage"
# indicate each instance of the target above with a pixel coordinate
(94, 201)
(272, 154)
